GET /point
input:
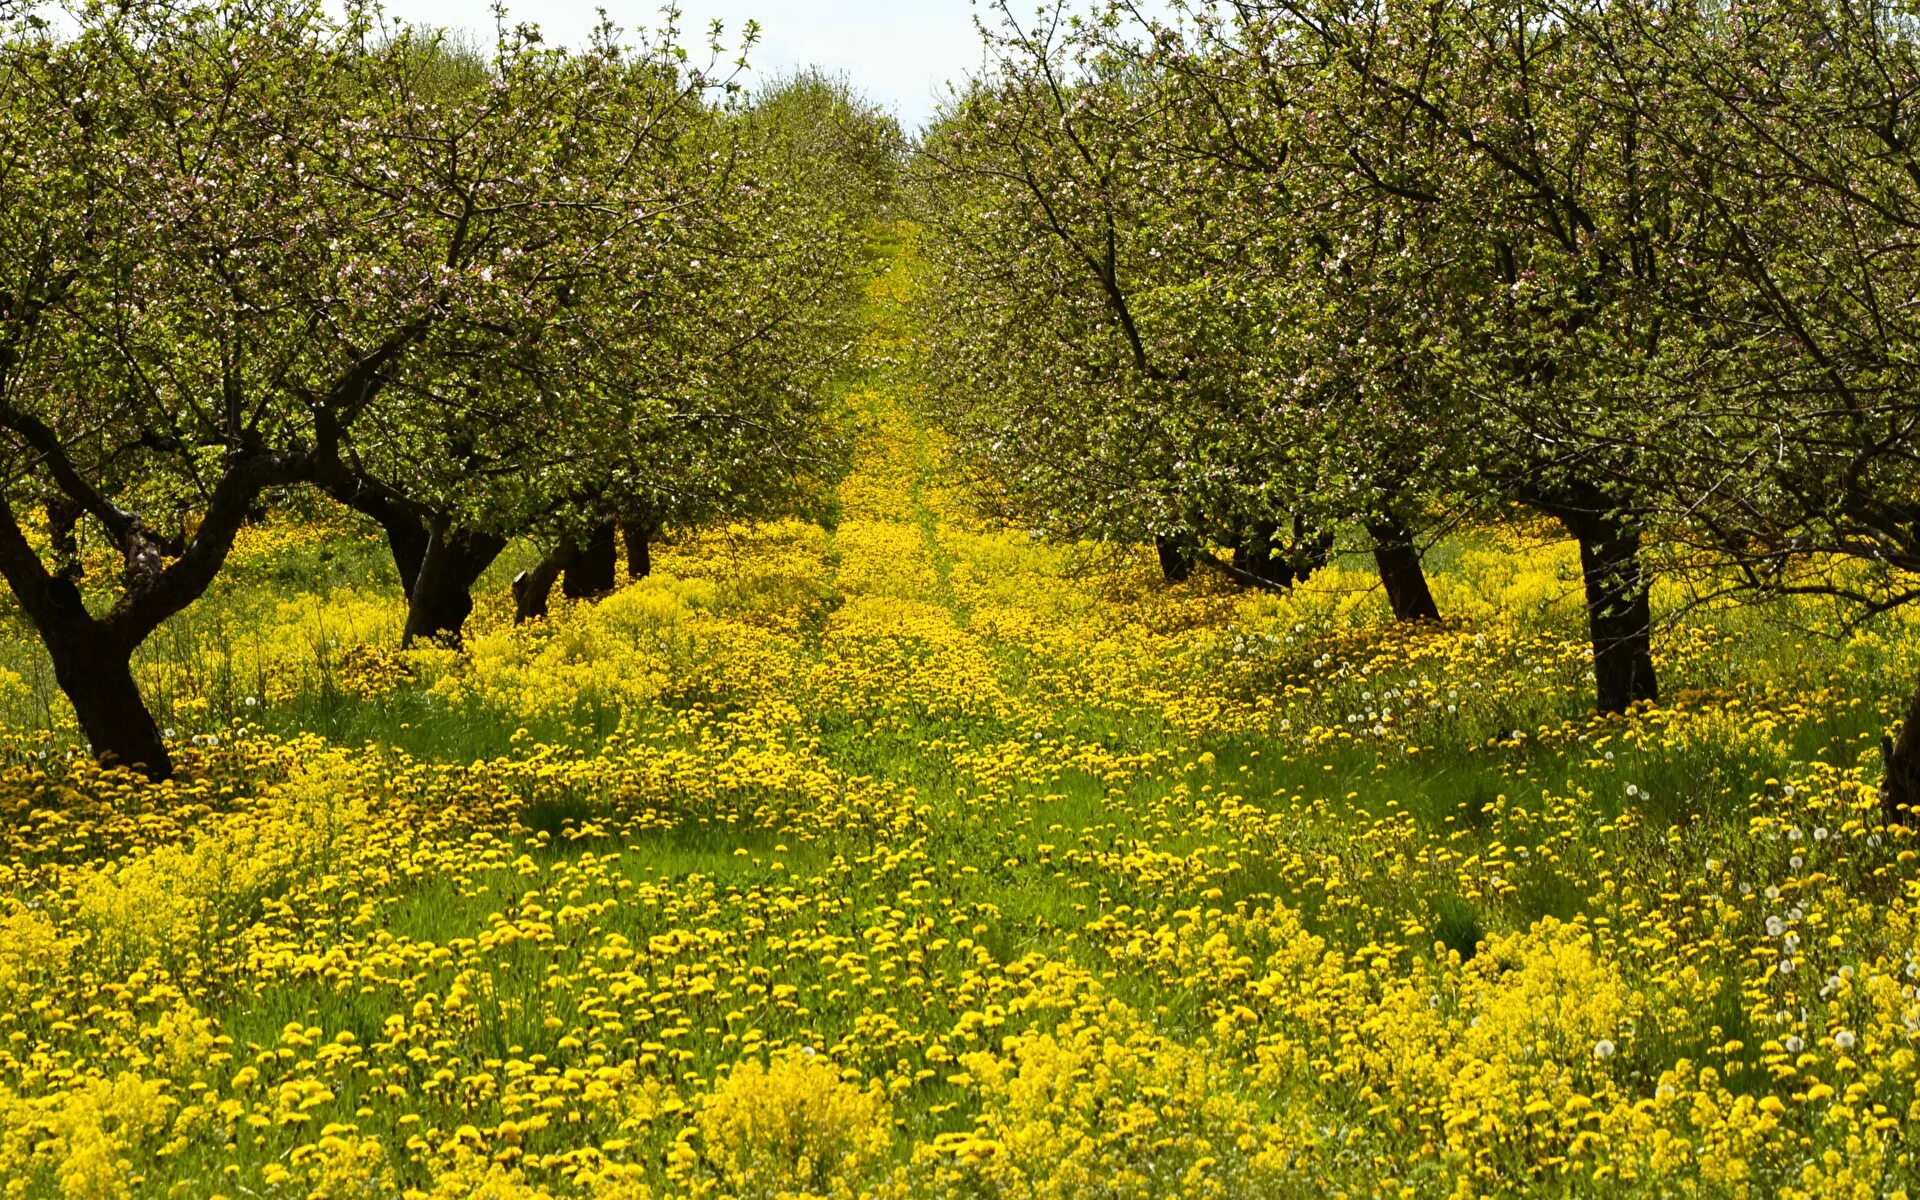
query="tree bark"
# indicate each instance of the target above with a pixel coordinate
(1401, 573)
(91, 655)
(97, 676)
(441, 598)
(1619, 611)
(1176, 559)
(639, 536)
(533, 589)
(590, 572)
(407, 538)
(406, 530)
(1900, 789)
(1619, 601)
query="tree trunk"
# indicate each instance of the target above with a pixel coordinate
(402, 522)
(532, 590)
(441, 598)
(1401, 574)
(1900, 790)
(97, 677)
(639, 536)
(408, 540)
(590, 572)
(92, 656)
(1619, 611)
(1176, 559)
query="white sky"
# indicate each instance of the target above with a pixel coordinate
(901, 53)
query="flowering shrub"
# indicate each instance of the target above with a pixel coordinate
(792, 1127)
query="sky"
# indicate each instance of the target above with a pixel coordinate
(901, 53)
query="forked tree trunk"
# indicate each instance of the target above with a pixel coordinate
(1401, 573)
(1176, 559)
(1900, 790)
(92, 656)
(441, 598)
(591, 570)
(97, 676)
(407, 539)
(1619, 613)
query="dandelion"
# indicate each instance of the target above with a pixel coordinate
(1603, 1048)
(1843, 1040)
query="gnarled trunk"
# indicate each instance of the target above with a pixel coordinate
(404, 523)
(97, 677)
(591, 570)
(1401, 573)
(1619, 595)
(407, 539)
(92, 656)
(441, 597)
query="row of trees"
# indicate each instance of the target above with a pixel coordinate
(1275, 268)
(252, 245)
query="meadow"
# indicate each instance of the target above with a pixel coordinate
(919, 858)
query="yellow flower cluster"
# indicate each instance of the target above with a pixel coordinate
(791, 1127)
